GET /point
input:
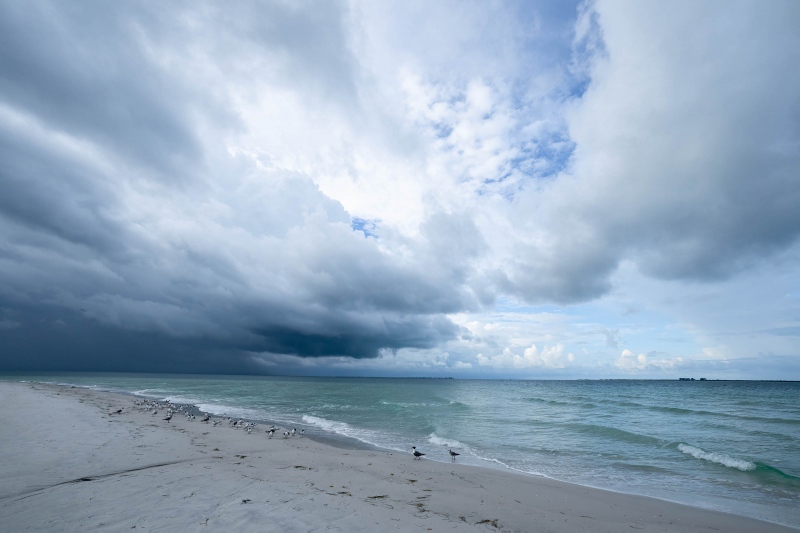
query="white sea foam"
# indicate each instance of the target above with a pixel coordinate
(228, 410)
(183, 400)
(328, 425)
(719, 458)
(433, 438)
(344, 429)
(151, 393)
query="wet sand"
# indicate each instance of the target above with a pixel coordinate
(68, 464)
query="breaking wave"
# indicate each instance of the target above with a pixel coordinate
(719, 458)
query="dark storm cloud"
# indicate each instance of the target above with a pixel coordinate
(122, 249)
(81, 68)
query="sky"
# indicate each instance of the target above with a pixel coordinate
(473, 189)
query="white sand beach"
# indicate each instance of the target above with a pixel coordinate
(68, 464)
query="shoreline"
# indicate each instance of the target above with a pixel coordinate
(68, 464)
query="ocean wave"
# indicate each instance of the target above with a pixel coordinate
(719, 458)
(151, 393)
(229, 410)
(182, 400)
(411, 405)
(346, 430)
(700, 412)
(616, 434)
(448, 443)
(328, 425)
(534, 399)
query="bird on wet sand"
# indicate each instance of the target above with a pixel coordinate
(453, 455)
(168, 417)
(417, 453)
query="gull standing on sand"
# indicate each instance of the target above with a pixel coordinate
(453, 455)
(417, 453)
(168, 417)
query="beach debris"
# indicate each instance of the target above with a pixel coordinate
(486, 521)
(380, 497)
(246, 500)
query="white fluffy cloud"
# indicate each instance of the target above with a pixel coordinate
(532, 357)
(627, 361)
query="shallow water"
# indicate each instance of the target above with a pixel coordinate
(731, 446)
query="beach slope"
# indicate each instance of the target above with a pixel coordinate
(68, 463)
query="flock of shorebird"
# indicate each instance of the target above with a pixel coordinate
(153, 406)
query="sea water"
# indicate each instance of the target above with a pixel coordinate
(728, 445)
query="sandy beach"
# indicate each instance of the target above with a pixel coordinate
(67, 463)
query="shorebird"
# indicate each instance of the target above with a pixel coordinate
(453, 455)
(271, 432)
(285, 434)
(168, 417)
(205, 418)
(302, 432)
(294, 431)
(417, 454)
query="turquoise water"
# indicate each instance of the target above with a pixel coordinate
(731, 446)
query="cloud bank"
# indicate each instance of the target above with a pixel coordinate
(205, 187)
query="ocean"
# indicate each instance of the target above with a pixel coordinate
(733, 446)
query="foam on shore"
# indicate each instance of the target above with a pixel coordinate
(67, 463)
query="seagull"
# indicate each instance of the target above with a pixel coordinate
(293, 432)
(271, 432)
(302, 432)
(453, 455)
(205, 418)
(168, 417)
(417, 454)
(285, 434)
